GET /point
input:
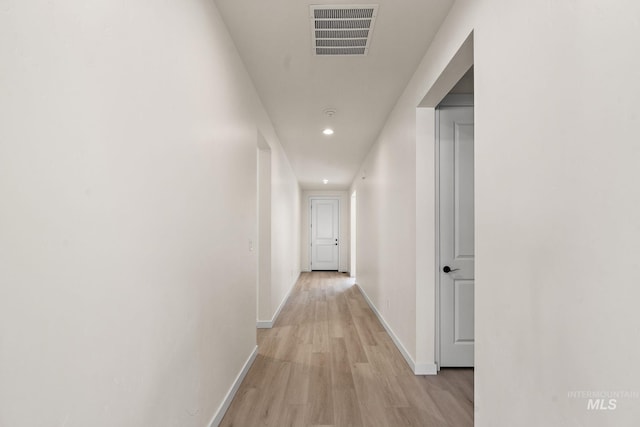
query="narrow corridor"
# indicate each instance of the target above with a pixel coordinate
(328, 361)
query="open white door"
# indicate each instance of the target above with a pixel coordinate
(324, 234)
(457, 256)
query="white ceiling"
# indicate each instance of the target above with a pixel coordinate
(274, 40)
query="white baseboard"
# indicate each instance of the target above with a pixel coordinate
(264, 324)
(268, 324)
(425, 369)
(418, 369)
(217, 417)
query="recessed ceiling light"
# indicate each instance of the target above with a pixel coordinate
(325, 181)
(328, 131)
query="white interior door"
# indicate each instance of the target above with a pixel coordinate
(456, 236)
(324, 234)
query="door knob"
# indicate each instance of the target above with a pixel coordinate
(448, 269)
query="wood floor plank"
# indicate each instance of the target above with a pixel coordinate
(304, 331)
(321, 329)
(245, 399)
(320, 406)
(341, 377)
(393, 356)
(298, 388)
(336, 317)
(457, 415)
(329, 362)
(271, 403)
(371, 398)
(418, 397)
(380, 360)
(354, 345)
(292, 416)
(412, 417)
(347, 408)
(364, 332)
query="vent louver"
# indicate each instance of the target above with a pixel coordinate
(342, 29)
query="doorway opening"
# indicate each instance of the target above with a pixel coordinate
(352, 251)
(429, 266)
(455, 225)
(263, 285)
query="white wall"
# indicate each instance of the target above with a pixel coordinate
(128, 188)
(264, 230)
(385, 261)
(305, 236)
(557, 237)
(285, 233)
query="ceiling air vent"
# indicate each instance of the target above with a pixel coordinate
(342, 29)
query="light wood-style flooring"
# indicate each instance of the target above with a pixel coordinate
(329, 362)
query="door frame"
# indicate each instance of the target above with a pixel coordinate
(311, 199)
(451, 100)
(440, 82)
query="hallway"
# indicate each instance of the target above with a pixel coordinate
(328, 361)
